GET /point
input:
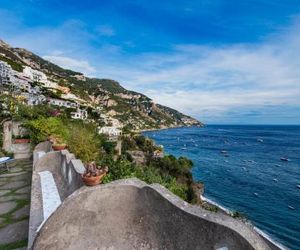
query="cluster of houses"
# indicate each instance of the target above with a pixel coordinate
(22, 85)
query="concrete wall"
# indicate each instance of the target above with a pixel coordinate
(66, 171)
(130, 214)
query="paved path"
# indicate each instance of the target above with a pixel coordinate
(15, 205)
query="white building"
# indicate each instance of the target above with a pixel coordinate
(110, 131)
(50, 84)
(79, 114)
(62, 103)
(32, 99)
(35, 75)
(5, 72)
(21, 82)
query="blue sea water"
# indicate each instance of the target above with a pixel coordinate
(250, 176)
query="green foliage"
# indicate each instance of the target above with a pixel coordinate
(25, 112)
(120, 169)
(41, 128)
(123, 168)
(84, 143)
(178, 189)
(109, 147)
(139, 142)
(15, 66)
(172, 165)
(51, 93)
(128, 143)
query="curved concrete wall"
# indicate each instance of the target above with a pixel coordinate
(130, 214)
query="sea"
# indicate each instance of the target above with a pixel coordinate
(254, 170)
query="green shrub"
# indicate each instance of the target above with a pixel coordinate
(25, 112)
(15, 66)
(120, 169)
(41, 128)
(84, 143)
(109, 147)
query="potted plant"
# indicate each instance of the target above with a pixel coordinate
(93, 174)
(58, 143)
(21, 139)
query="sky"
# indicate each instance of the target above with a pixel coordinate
(221, 61)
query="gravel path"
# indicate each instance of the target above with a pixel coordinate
(15, 205)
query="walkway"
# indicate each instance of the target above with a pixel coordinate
(15, 205)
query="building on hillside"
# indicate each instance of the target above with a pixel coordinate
(79, 114)
(34, 90)
(71, 96)
(20, 81)
(115, 122)
(50, 84)
(36, 99)
(62, 103)
(33, 99)
(111, 132)
(35, 75)
(5, 72)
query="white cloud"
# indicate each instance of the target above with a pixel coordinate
(206, 80)
(71, 63)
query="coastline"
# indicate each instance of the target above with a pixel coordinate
(166, 128)
(263, 234)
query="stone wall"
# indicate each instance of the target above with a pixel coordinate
(66, 171)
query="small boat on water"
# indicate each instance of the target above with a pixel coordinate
(223, 152)
(298, 186)
(260, 140)
(256, 194)
(284, 159)
(184, 147)
(276, 180)
(291, 207)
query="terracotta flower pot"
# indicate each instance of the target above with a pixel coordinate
(58, 147)
(93, 180)
(20, 141)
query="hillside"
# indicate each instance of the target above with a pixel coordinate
(104, 100)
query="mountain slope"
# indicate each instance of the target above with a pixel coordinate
(131, 109)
